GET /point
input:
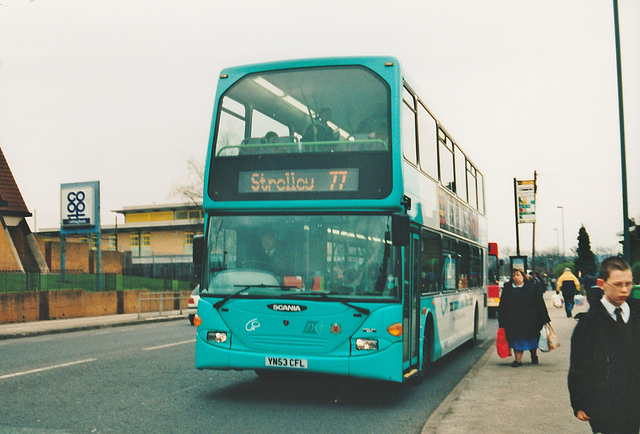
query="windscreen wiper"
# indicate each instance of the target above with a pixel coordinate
(346, 303)
(244, 288)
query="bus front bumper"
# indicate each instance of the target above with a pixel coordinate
(379, 365)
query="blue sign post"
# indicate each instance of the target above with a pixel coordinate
(80, 214)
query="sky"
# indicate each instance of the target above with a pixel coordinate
(122, 92)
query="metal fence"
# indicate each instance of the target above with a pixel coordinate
(159, 303)
(20, 282)
(172, 267)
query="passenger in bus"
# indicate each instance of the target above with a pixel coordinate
(319, 130)
(374, 126)
(271, 137)
(373, 281)
(522, 313)
(350, 283)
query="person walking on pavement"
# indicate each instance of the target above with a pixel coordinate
(522, 313)
(589, 284)
(604, 374)
(569, 285)
(587, 281)
(537, 282)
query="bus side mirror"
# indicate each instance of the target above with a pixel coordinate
(198, 255)
(400, 229)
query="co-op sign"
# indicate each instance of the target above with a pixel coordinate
(80, 205)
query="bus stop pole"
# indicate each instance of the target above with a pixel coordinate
(63, 256)
(515, 203)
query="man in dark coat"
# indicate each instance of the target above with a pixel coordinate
(604, 372)
(273, 256)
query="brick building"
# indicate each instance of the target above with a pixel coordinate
(154, 241)
(157, 230)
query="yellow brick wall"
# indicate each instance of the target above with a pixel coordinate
(19, 307)
(7, 257)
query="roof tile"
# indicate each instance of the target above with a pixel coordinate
(10, 192)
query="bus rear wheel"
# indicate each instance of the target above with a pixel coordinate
(474, 338)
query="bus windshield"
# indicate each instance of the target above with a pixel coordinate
(492, 269)
(329, 109)
(284, 256)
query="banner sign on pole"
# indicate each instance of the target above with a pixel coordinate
(526, 192)
(80, 214)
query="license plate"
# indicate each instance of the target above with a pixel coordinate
(285, 362)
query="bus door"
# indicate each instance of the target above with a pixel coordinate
(411, 304)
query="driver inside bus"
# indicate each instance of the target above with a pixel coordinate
(273, 256)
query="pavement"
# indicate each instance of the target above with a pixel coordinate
(496, 398)
(492, 398)
(37, 328)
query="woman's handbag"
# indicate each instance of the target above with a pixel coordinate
(502, 345)
(552, 338)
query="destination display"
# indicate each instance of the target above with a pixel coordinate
(296, 181)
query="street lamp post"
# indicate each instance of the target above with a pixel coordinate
(557, 243)
(564, 257)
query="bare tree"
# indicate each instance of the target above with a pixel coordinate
(191, 188)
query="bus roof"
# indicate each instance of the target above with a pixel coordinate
(371, 61)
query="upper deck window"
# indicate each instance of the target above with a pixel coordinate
(331, 109)
(308, 133)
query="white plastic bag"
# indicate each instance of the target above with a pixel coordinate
(543, 342)
(558, 301)
(548, 339)
(579, 300)
(552, 337)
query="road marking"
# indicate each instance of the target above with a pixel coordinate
(33, 371)
(168, 345)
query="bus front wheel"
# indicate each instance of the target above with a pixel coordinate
(427, 353)
(427, 349)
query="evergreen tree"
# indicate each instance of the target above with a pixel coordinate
(586, 260)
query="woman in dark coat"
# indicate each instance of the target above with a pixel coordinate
(522, 313)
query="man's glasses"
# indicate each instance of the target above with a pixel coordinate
(620, 285)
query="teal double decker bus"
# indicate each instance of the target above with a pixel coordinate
(345, 228)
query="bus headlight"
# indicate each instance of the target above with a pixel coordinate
(217, 337)
(366, 344)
